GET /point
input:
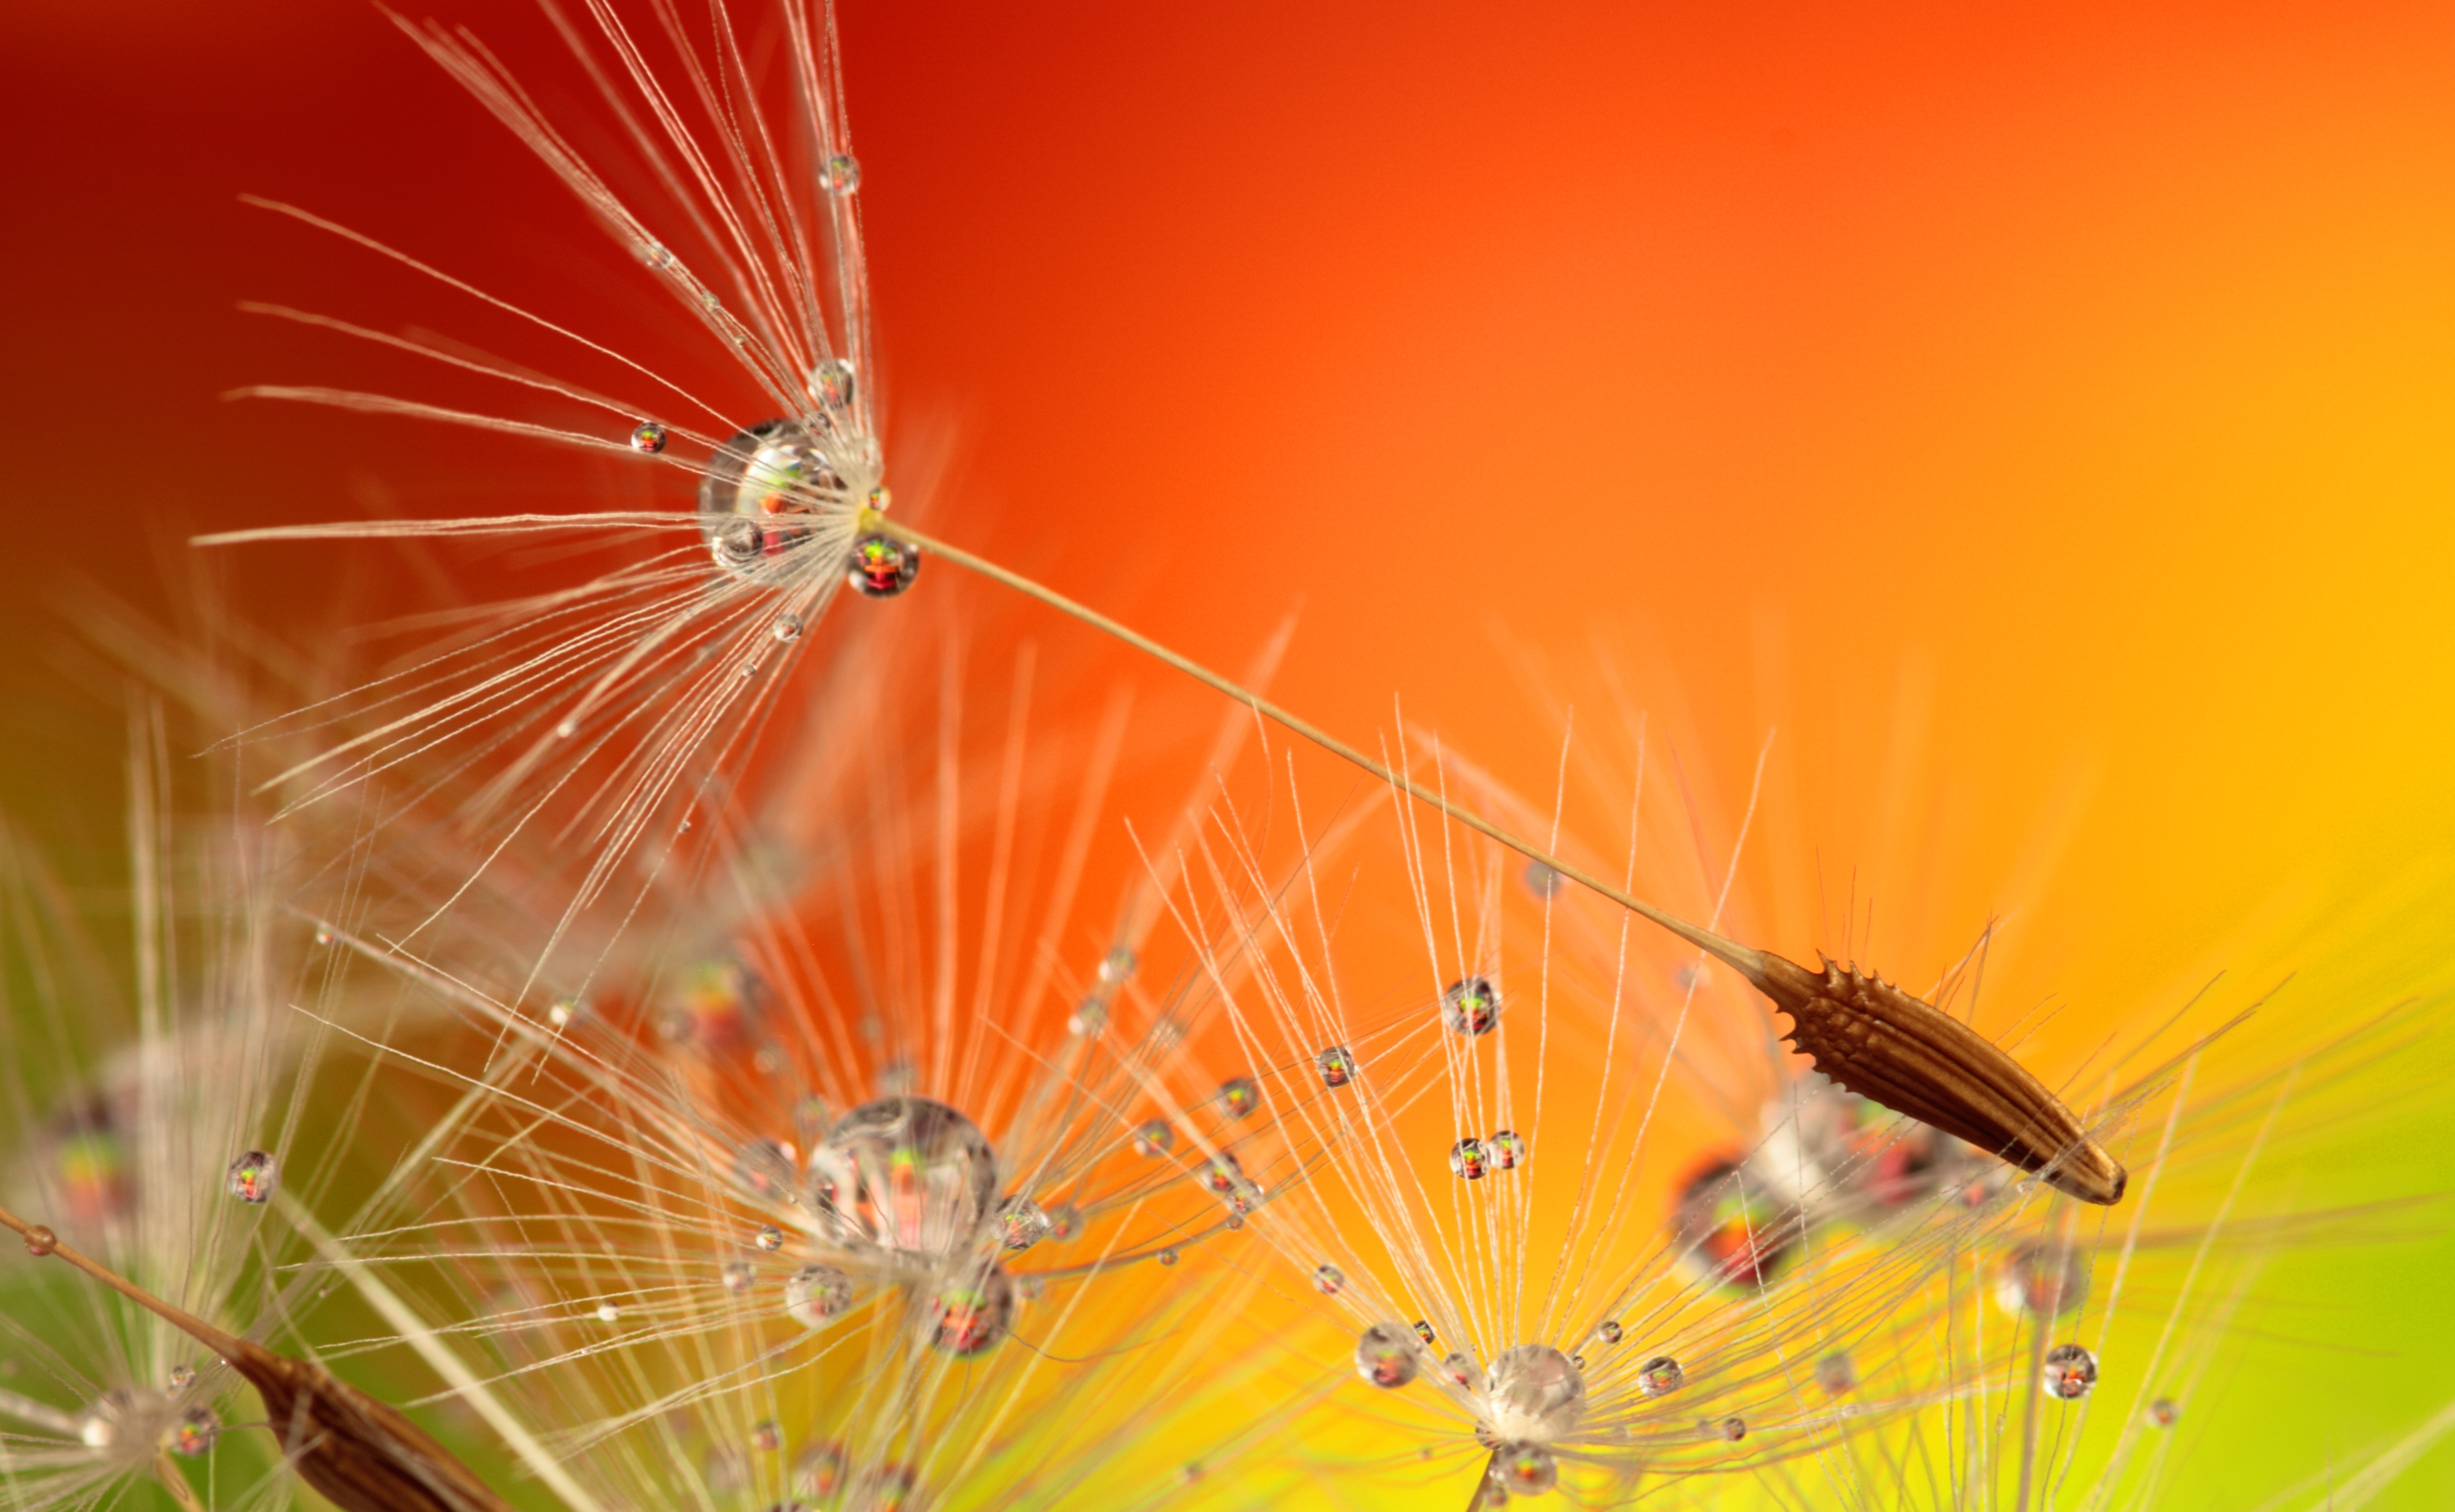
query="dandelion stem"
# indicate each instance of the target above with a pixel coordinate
(41, 1240)
(1738, 956)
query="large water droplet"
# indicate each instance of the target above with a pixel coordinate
(817, 1295)
(1470, 1006)
(1386, 1355)
(762, 492)
(253, 1177)
(40, 1241)
(1533, 1392)
(908, 1174)
(2069, 1372)
(881, 566)
(1729, 1230)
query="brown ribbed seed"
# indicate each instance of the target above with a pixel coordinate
(1883, 1045)
(362, 1455)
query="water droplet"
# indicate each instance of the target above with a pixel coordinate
(655, 255)
(1609, 1331)
(608, 1311)
(1117, 965)
(1336, 1065)
(2162, 1413)
(883, 567)
(1660, 1376)
(738, 1275)
(1541, 881)
(2041, 1279)
(565, 729)
(881, 498)
(1690, 978)
(819, 1471)
(1467, 1158)
(1507, 1148)
(843, 174)
(834, 383)
(765, 1169)
(897, 1077)
(1240, 1095)
(40, 1241)
(1025, 1224)
(1470, 1006)
(564, 1011)
(1729, 1230)
(1836, 1374)
(713, 1005)
(762, 491)
(1424, 1331)
(1166, 1257)
(2071, 1371)
(789, 627)
(816, 1293)
(182, 1378)
(1525, 1469)
(1223, 1176)
(971, 1314)
(765, 1435)
(1534, 1391)
(769, 1237)
(1386, 1355)
(1729, 1430)
(1459, 1369)
(1328, 1278)
(1234, 1221)
(811, 1116)
(1088, 1019)
(906, 1174)
(323, 936)
(1065, 1220)
(253, 1177)
(649, 437)
(193, 1432)
(1154, 1138)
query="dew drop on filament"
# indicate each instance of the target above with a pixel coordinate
(1386, 1355)
(787, 627)
(2069, 1372)
(883, 567)
(1337, 1066)
(2162, 1413)
(649, 437)
(1468, 1159)
(1525, 1469)
(1239, 1096)
(1329, 1279)
(1154, 1138)
(843, 174)
(816, 1294)
(1836, 1374)
(253, 1177)
(1470, 1007)
(1660, 1376)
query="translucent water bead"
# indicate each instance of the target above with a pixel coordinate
(2069, 1372)
(972, 1312)
(1836, 1374)
(1023, 1225)
(906, 1174)
(192, 1432)
(817, 1295)
(843, 174)
(1154, 1138)
(1660, 1376)
(1525, 1469)
(1329, 1279)
(1386, 1354)
(1508, 1149)
(881, 566)
(765, 1169)
(1470, 1007)
(649, 437)
(253, 1177)
(1337, 1066)
(2041, 1279)
(1533, 1394)
(762, 493)
(1468, 1159)
(1240, 1095)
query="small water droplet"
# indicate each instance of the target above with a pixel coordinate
(1526, 1469)
(323, 936)
(1065, 1220)
(564, 1011)
(816, 1294)
(1468, 1159)
(766, 1168)
(1470, 1006)
(2041, 1279)
(739, 1278)
(193, 1433)
(882, 498)
(1025, 1223)
(182, 1378)
(769, 1237)
(253, 1177)
(1329, 1279)
(1088, 1019)
(1459, 1369)
(1154, 1138)
(1541, 881)
(1239, 1096)
(649, 437)
(2070, 1371)
(1836, 1374)
(1336, 1065)
(1691, 977)
(789, 627)
(1385, 1355)
(1729, 1430)
(843, 174)
(1166, 1257)
(1608, 1332)
(765, 1435)
(2162, 1413)
(656, 254)
(1424, 1331)
(883, 567)
(1508, 1149)
(834, 383)
(608, 1311)
(973, 1313)
(566, 729)
(1660, 1376)
(40, 1241)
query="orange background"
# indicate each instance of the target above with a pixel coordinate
(2043, 419)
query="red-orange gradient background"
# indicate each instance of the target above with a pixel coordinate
(2043, 417)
